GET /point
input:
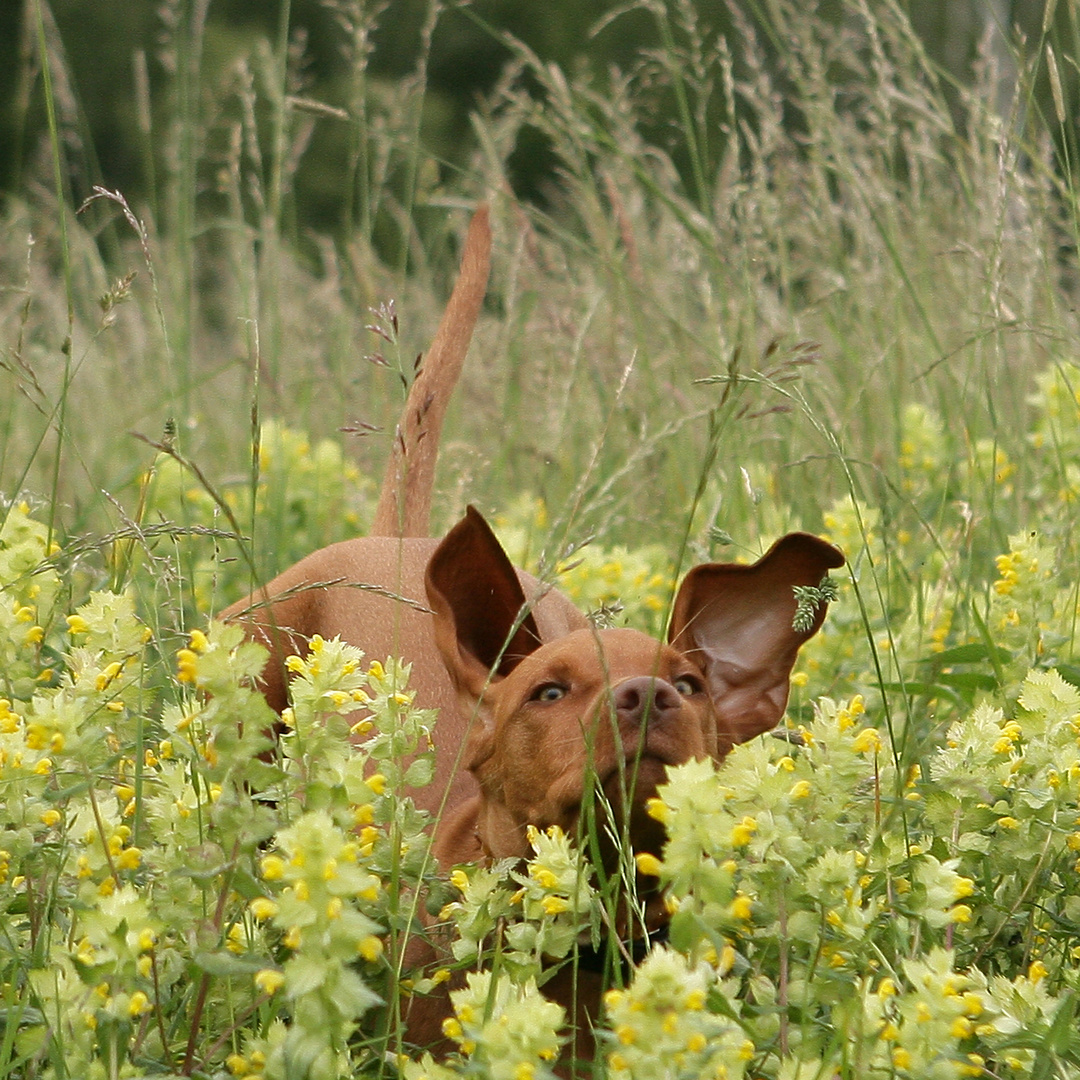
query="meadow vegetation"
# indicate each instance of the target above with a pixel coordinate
(856, 315)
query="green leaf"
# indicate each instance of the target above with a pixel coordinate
(223, 963)
(973, 653)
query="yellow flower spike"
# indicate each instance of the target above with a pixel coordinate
(648, 864)
(269, 981)
(371, 948)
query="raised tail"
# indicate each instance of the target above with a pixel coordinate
(405, 500)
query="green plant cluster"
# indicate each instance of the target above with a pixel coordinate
(891, 889)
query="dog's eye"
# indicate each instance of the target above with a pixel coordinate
(548, 692)
(687, 686)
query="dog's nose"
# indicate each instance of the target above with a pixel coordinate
(643, 700)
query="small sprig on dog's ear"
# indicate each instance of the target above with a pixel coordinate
(808, 598)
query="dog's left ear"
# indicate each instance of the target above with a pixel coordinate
(477, 601)
(737, 622)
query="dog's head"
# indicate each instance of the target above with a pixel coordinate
(588, 723)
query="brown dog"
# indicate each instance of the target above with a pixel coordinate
(534, 703)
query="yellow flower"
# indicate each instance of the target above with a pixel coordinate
(555, 905)
(1037, 971)
(741, 907)
(648, 864)
(658, 810)
(371, 948)
(269, 981)
(868, 740)
(743, 833)
(961, 1028)
(77, 625)
(800, 790)
(273, 867)
(139, 1004)
(964, 887)
(129, 859)
(262, 908)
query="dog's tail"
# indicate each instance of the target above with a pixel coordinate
(405, 501)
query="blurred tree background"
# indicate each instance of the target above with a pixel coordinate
(115, 71)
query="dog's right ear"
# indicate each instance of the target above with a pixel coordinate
(477, 600)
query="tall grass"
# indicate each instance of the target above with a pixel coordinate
(851, 308)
